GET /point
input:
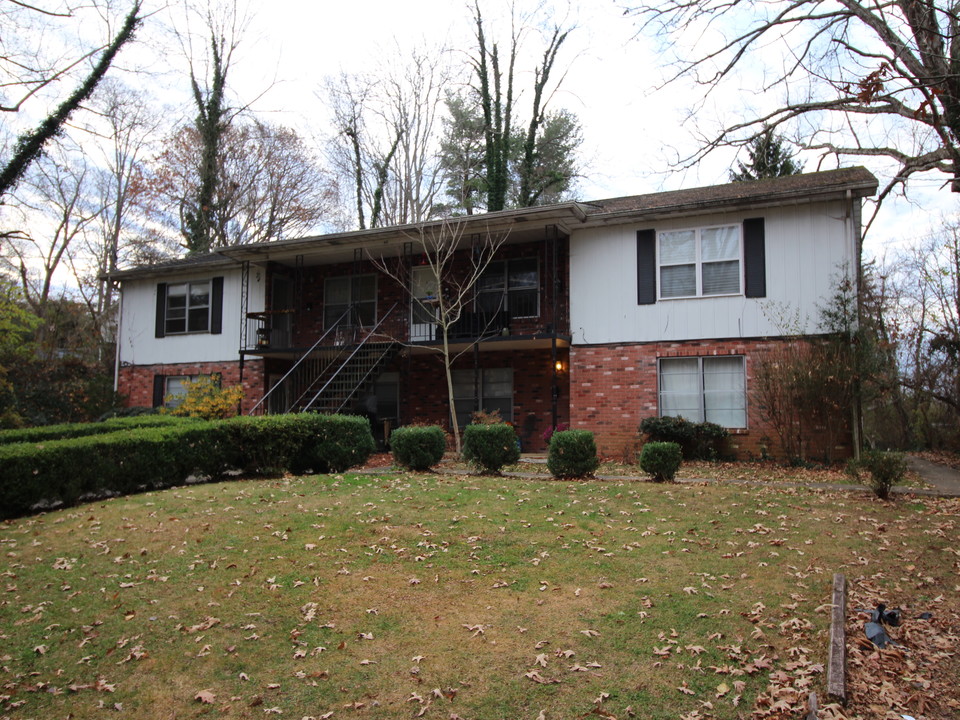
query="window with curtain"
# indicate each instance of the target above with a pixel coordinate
(512, 285)
(358, 291)
(700, 262)
(711, 389)
(495, 393)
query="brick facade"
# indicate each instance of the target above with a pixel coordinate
(614, 387)
(135, 382)
(423, 390)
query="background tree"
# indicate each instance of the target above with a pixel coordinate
(494, 91)
(56, 196)
(858, 79)
(224, 26)
(385, 139)
(269, 184)
(766, 158)
(925, 327)
(31, 69)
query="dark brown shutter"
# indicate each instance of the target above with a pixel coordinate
(158, 388)
(646, 267)
(216, 306)
(754, 258)
(161, 310)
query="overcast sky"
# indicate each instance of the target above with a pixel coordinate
(631, 132)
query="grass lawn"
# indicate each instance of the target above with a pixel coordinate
(446, 596)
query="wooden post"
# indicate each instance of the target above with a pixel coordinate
(837, 668)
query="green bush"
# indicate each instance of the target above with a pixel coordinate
(35, 475)
(333, 443)
(661, 460)
(64, 472)
(572, 454)
(697, 441)
(65, 431)
(489, 447)
(885, 469)
(418, 447)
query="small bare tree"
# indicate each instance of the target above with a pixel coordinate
(454, 267)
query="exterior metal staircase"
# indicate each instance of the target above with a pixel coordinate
(342, 364)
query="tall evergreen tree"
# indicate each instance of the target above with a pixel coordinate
(768, 159)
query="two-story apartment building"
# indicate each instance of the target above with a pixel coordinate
(593, 314)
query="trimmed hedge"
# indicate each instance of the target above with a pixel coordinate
(490, 446)
(661, 460)
(697, 440)
(66, 431)
(572, 454)
(418, 447)
(64, 472)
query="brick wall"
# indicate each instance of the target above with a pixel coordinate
(136, 381)
(423, 391)
(613, 387)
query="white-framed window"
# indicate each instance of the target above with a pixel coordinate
(175, 389)
(358, 291)
(700, 262)
(511, 285)
(711, 389)
(495, 393)
(187, 308)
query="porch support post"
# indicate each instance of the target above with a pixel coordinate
(555, 388)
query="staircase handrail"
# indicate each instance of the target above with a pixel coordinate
(301, 359)
(349, 358)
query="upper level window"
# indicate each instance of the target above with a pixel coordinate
(511, 285)
(358, 292)
(187, 308)
(699, 262)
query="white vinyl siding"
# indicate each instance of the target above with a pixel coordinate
(711, 389)
(806, 246)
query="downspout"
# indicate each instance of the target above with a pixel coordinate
(856, 241)
(116, 351)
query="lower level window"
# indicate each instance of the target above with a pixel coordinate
(175, 389)
(495, 392)
(711, 389)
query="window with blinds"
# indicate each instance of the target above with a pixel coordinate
(700, 262)
(711, 389)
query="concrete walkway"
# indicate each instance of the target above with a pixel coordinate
(942, 477)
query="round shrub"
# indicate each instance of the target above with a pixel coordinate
(661, 460)
(572, 454)
(418, 447)
(490, 447)
(886, 470)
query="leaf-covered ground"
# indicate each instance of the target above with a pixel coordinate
(445, 596)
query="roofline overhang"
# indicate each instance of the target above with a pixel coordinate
(793, 196)
(847, 183)
(564, 215)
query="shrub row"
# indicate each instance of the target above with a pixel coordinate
(64, 472)
(75, 430)
(697, 440)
